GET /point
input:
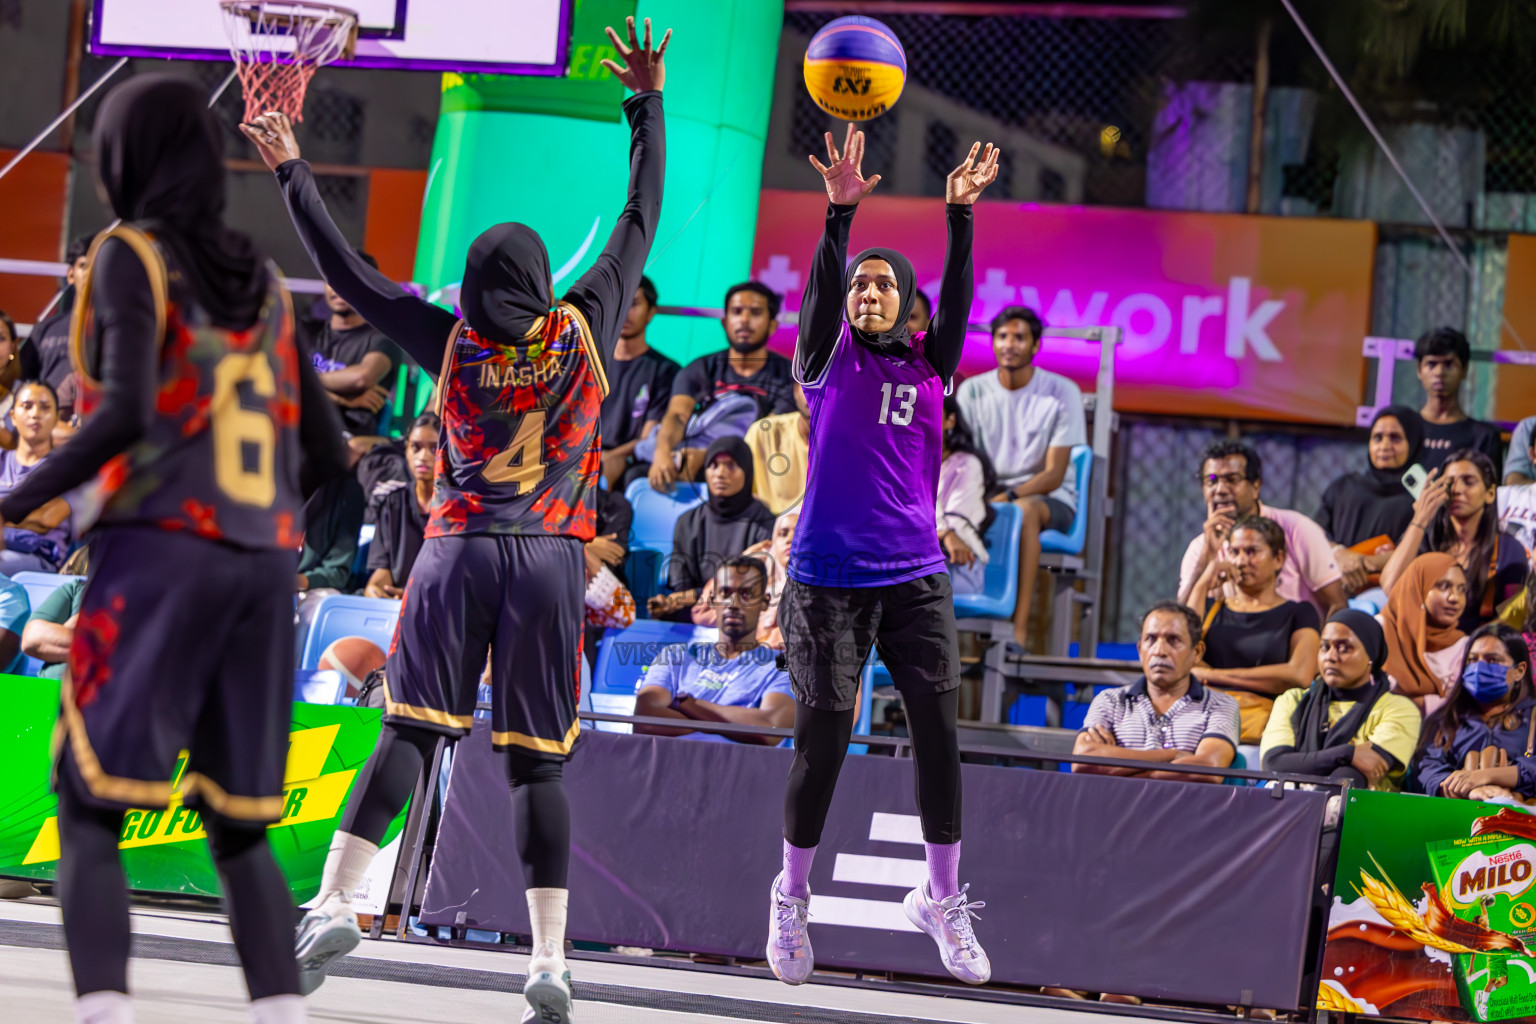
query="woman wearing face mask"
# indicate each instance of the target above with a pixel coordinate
(1424, 643)
(774, 553)
(966, 478)
(1479, 745)
(1364, 506)
(1347, 725)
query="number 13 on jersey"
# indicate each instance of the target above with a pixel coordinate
(906, 397)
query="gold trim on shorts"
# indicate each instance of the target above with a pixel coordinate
(134, 792)
(431, 715)
(517, 739)
(243, 808)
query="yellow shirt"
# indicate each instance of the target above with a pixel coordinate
(780, 455)
(1393, 725)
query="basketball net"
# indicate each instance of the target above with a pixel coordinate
(277, 46)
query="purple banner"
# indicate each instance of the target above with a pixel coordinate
(1163, 890)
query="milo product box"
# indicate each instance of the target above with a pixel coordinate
(1486, 901)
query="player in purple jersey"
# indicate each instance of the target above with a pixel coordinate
(867, 568)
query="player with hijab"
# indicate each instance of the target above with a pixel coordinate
(867, 567)
(205, 431)
(502, 566)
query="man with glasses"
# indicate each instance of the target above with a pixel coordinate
(1231, 475)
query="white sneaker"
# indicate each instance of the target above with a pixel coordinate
(548, 988)
(327, 933)
(948, 923)
(789, 945)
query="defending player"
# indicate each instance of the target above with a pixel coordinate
(521, 383)
(867, 567)
(200, 414)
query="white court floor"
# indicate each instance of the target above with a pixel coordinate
(183, 972)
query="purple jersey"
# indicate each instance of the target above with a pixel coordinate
(877, 426)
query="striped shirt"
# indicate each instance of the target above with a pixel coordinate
(1127, 712)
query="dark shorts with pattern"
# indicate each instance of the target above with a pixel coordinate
(520, 600)
(828, 632)
(181, 644)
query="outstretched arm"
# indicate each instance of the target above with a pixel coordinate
(946, 338)
(604, 292)
(419, 327)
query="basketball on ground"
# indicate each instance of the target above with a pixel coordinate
(354, 657)
(855, 68)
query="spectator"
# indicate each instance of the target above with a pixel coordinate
(609, 601)
(1360, 509)
(736, 680)
(1231, 476)
(51, 628)
(1456, 513)
(774, 554)
(401, 524)
(639, 387)
(1167, 717)
(721, 394)
(1027, 419)
(333, 517)
(14, 610)
(1442, 356)
(40, 543)
(1516, 500)
(10, 365)
(1424, 644)
(1347, 725)
(781, 448)
(45, 355)
(922, 312)
(1257, 644)
(729, 522)
(1518, 468)
(356, 363)
(1478, 746)
(965, 480)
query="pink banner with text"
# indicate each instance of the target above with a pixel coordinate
(1223, 314)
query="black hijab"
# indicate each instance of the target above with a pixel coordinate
(730, 508)
(1388, 483)
(1374, 502)
(1309, 722)
(898, 339)
(507, 284)
(721, 528)
(160, 159)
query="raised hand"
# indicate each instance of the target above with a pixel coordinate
(645, 72)
(966, 182)
(273, 134)
(844, 178)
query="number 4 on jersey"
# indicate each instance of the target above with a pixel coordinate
(520, 462)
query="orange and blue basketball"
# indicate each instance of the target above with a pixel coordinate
(855, 68)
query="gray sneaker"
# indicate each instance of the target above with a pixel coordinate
(789, 946)
(548, 995)
(327, 933)
(948, 923)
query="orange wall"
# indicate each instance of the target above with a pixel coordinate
(394, 219)
(32, 200)
(1514, 385)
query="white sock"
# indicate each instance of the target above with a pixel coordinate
(104, 1008)
(278, 1010)
(546, 913)
(345, 865)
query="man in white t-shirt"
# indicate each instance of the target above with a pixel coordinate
(1027, 419)
(1517, 500)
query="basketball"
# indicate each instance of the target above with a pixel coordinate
(855, 68)
(354, 657)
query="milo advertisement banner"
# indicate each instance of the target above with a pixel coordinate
(164, 849)
(1434, 911)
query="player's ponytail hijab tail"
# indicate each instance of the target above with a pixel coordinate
(507, 284)
(899, 337)
(160, 159)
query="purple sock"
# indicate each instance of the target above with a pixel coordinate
(797, 871)
(943, 869)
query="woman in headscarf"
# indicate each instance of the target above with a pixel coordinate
(183, 337)
(1360, 509)
(867, 565)
(706, 536)
(520, 388)
(1424, 643)
(1347, 724)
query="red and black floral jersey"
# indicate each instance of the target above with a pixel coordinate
(519, 451)
(220, 458)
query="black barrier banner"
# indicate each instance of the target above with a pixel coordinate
(1163, 890)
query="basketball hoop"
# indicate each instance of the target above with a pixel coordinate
(277, 46)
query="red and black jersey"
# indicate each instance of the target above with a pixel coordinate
(520, 452)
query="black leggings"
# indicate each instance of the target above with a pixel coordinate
(821, 743)
(540, 812)
(94, 895)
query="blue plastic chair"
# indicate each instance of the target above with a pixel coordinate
(347, 615)
(650, 532)
(1241, 764)
(1071, 543)
(623, 655)
(319, 686)
(39, 585)
(1000, 589)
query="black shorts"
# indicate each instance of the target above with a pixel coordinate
(181, 644)
(1062, 516)
(828, 632)
(519, 598)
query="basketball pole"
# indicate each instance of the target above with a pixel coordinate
(79, 100)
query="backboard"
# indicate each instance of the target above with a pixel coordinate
(524, 37)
